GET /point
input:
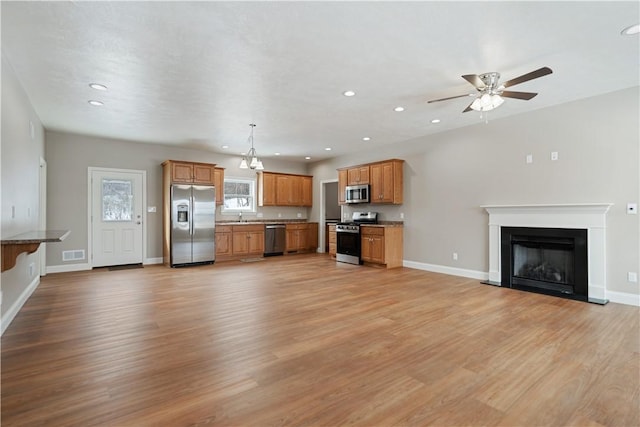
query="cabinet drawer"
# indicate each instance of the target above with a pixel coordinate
(248, 228)
(333, 237)
(297, 226)
(223, 229)
(373, 231)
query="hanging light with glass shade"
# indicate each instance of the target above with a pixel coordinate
(251, 160)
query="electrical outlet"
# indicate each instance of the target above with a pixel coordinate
(299, 215)
(401, 215)
(151, 209)
(455, 256)
(529, 159)
(279, 215)
(32, 269)
(632, 277)
(554, 155)
(632, 208)
(259, 215)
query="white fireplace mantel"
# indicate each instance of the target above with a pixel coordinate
(589, 216)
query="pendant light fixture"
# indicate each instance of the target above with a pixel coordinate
(250, 160)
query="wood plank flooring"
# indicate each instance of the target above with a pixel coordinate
(303, 340)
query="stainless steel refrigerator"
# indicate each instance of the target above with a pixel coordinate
(193, 222)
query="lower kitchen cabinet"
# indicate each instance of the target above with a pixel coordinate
(333, 241)
(239, 241)
(382, 245)
(302, 237)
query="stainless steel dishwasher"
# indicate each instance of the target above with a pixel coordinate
(274, 239)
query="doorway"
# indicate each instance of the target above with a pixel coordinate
(330, 210)
(116, 218)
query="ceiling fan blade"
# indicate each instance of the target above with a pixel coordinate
(474, 80)
(529, 76)
(445, 99)
(468, 108)
(518, 95)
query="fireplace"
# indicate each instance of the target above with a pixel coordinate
(591, 217)
(546, 260)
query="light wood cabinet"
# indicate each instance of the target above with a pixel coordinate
(191, 172)
(333, 241)
(358, 175)
(248, 240)
(385, 179)
(342, 186)
(382, 245)
(302, 237)
(387, 182)
(279, 189)
(224, 242)
(218, 181)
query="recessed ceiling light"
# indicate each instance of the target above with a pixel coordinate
(277, 154)
(348, 93)
(398, 109)
(327, 149)
(225, 146)
(631, 30)
(366, 138)
(307, 158)
(96, 103)
(435, 121)
(97, 86)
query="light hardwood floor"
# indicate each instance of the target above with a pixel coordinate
(301, 340)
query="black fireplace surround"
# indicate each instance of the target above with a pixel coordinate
(551, 261)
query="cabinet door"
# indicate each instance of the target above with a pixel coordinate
(386, 190)
(223, 244)
(240, 243)
(255, 242)
(342, 185)
(218, 178)
(358, 175)
(376, 183)
(295, 198)
(292, 239)
(267, 189)
(203, 174)
(307, 191)
(284, 189)
(377, 249)
(365, 248)
(303, 239)
(182, 172)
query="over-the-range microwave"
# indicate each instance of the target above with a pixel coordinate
(357, 193)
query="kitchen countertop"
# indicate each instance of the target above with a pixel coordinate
(382, 224)
(265, 222)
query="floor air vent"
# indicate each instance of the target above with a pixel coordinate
(73, 255)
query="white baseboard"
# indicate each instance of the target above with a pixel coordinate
(472, 274)
(623, 298)
(10, 314)
(148, 261)
(68, 267)
(617, 297)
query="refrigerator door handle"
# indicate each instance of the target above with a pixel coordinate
(191, 212)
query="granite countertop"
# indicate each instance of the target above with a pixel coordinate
(265, 222)
(382, 224)
(39, 236)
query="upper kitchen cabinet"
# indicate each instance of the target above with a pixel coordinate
(218, 179)
(385, 179)
(281, 189)
(358, 175)
(191, 172)
(342, 186)
(387, 182)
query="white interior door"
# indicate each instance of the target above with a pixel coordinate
(116, 217)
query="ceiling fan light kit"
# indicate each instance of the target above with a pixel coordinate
(491, 94)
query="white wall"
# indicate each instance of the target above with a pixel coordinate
(20, 152)
(449, 175)
(70, 155)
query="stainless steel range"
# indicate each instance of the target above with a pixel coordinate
(348, 236)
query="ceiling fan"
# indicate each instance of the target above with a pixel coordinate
(490, 92)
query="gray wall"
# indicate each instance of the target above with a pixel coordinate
(449, 175)
(21, 155)
(70, 155)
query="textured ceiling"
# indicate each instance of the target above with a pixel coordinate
(197, 73)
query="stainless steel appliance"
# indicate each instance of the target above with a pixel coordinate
(348, 236)
(193, 222)
(274, 239)
(357, 193)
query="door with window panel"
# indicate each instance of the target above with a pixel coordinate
(116, 217)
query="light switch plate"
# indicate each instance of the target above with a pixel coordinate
(529, 158)
(151, 209)
(554, 155)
